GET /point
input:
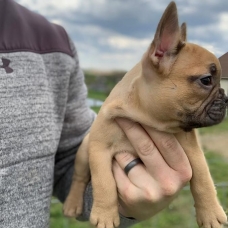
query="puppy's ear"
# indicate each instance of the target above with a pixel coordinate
(167, 40)
(184, 32)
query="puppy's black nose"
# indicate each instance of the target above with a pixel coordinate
(226, 100)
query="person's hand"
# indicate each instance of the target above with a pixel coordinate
(149, 187)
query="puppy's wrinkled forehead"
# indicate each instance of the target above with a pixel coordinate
(197, 60)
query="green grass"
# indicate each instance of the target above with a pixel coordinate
(218, 166)
(57, 219)
(96, 108)
(97, 95)
(219, 128)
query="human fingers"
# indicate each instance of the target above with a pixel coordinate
(123, 159)
(128, 193)
(144, 146)
(141, 195)
(171, 150)
(121, 178)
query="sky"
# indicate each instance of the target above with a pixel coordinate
(114, 34)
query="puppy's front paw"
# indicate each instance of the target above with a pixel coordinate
(104, 218)
(72, 207)
(74, 202)
(213, 217)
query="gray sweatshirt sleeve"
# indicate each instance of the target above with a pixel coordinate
(78, 119)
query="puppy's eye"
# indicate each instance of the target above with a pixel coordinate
(207, 81)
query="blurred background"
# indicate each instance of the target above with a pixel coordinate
(111, 36)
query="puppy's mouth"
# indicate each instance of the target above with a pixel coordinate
(217, 110)
(213, 114)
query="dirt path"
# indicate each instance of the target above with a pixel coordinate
(216, 142)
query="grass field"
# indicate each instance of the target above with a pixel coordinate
(97, 95)
(222, 127)
(180, 213)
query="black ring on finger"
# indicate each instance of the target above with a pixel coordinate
(132, 164)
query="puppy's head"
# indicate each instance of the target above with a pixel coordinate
(183, 79)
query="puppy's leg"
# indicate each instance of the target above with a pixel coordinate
(209, 213)
(104, 212)
(74, 202)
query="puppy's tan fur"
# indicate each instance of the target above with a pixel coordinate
(163, 91)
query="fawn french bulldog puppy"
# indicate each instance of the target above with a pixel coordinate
(175, 88)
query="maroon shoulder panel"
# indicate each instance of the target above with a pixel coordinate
(24, 30)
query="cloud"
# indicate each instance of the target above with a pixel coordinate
(45, 6)
(115, 33)
(223, 26)
(126, 43)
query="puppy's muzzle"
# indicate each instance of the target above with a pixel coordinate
(216, 112)
(218, 107)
